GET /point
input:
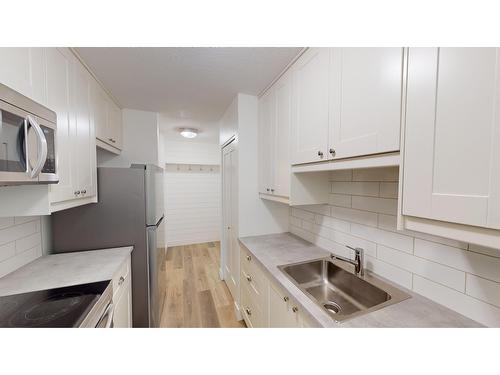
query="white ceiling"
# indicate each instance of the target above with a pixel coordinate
(194, 84)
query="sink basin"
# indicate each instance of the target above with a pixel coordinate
(339, 292)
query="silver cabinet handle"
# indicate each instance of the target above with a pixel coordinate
(121, 280)
(248, 311)
(332, 151)
(77, 192)
(42, 145)
(84, 191)
(267, 189)
(320, 154)
(249, 258)
(295, 309)
(249, 278)
(286, 299)
(272, 190)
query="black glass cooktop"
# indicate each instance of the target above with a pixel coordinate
(60, 307)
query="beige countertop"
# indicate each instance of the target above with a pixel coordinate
(59, 270)
(275, 250)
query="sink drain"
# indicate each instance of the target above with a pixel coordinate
(332, 307)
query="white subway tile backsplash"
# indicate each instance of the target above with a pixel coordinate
(355, 216)
(475, 309)
(391, 239)
(434, 271)
(342, 175)
(389, 271)
(20, 242)
(476, 264)
(376, 174)
(461, 276)
(485, 290)
(389, 190)
(340, 200)
(370, 189)
(379, 205)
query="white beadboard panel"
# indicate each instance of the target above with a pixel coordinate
(391, 239)
(473, 263)
(341, 175)
(473, 308)
(185, 152)
(192, 200)
(485, 290)
(20, 242)
(389, 190)
(379, 205)
(389, 271)
(376, 174)
(340, 200)
(355, 216)
(447, 276)
(370, 189)
(461, 276)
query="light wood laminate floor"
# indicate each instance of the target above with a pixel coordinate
(196, 296)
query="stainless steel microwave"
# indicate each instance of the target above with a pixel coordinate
(27, 140)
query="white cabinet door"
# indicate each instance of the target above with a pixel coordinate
(282, 313)
(59, 73)
(310, 106)
(99, 104)
(84, 152)
(115, 129)
(281, 166)
(267, 126)
(452, 138)
(122, 316)
(365, 101)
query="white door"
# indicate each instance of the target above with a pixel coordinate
(267, 126)
(282, 313)
(122, 316)
(100, 111)
(452, 139)
(59, 75)
(283, 93)
(115, 130)
(365, 101)
(230, 256)
(310, 106)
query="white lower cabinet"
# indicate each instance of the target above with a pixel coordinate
(263, 303)
(122, 297)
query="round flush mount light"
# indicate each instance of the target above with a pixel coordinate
(189, 132)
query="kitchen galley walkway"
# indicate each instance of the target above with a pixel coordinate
(196, 296)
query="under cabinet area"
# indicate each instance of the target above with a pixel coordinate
(263, 303)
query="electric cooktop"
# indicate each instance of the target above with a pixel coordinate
(52, 308)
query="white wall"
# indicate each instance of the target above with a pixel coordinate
(256, 216)
(362, 213)
(140, 141)
(20, 242)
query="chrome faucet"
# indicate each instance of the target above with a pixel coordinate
(358, 262)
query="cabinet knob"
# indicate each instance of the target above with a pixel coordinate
(84, 191)
(249, 258)
(77, 192)
(267, 189)
(249, 278)
(320, 154)
(332, 151)
(295, 309)
(248, 311)
(286, 299)
(272, 190)
(122, 279)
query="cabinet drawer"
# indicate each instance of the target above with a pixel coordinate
(121, 276)
(252, 310)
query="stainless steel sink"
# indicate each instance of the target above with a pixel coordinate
(339, 292)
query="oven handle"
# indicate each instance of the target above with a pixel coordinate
(109, 312)
(42, 146)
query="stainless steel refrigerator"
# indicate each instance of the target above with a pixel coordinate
(130, 211)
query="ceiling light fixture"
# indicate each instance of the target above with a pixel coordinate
(189, 133)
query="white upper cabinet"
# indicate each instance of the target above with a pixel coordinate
(267, 134)
(310, 106)
(452, 137)
(365, 101)
(281, 148)
(115, 128)
(58, 99)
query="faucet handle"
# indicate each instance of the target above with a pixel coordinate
(357, 250)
